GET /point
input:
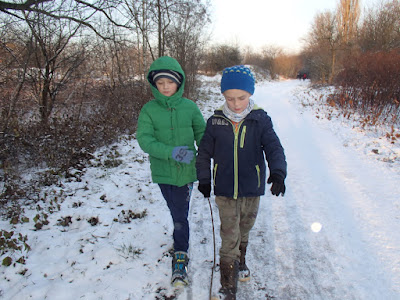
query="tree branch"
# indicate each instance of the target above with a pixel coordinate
(27, 5)
(34, 6)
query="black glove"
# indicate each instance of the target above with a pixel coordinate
(278, 184)
(205, 189)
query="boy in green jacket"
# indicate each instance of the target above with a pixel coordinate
(167, 128)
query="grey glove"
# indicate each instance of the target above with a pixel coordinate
(182, 154)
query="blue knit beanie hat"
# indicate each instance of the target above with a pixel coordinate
(237, 77)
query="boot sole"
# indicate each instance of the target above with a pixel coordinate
(180, 283)
(244, 279)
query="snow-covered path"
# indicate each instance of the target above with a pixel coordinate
(125, 255)
(356, 255)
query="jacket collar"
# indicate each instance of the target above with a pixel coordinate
(251, 115)
(169, 102)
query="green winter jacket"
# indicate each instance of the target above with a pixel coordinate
(167, 122)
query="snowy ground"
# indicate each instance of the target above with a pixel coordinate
(335, 234)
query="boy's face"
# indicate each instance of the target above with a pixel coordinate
(237, 100)
(166, 86)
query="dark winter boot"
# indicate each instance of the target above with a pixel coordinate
(229, 278)
(244, 272)
(179, 269)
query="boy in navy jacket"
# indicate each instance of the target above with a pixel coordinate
(238, 137)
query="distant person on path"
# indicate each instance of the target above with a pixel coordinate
(304, 76)
(168, 126)
(237, 137)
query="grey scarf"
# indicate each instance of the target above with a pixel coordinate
(240, 116)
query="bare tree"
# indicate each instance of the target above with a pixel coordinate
(54, 57)
(380, 28)
(221, 56)
(325, 36)
(141, 13)
(269, 54)
(183, 39)
(170, 27)
(13, 67)
(152, 19)
(348, 17)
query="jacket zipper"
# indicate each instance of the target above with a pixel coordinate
(242, 136)
(235, 164)
(235, 157)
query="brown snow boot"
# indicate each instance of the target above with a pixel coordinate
(244, 272)
(229, 278)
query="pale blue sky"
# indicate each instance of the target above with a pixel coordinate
(257, 23)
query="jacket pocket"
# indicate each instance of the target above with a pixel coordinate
(243, 135)
(215, 173)
(258, 175)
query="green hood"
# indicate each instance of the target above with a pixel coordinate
(167, 63)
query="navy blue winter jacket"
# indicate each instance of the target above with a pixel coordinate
(239, 166)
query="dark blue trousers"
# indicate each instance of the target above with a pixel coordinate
(178, 199)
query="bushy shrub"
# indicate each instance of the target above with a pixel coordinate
(93, 117)
(369, 84)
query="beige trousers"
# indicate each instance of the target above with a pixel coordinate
(237, 218)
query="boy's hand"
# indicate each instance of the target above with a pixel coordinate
(182, 154)
(205, 189)
(278, 184)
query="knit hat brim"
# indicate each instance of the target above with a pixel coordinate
(172, 75)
